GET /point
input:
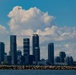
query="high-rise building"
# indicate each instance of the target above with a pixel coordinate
(26, 50)
(51, 53)
(26, 47)
(2, 52)
(36, 48)
(62, 55)
(13, 49)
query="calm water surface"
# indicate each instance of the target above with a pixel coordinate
(37, 72)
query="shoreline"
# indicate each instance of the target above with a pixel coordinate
(19, 67)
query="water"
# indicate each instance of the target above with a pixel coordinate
(37, 72)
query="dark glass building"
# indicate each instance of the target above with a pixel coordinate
(36, 48)
(19, 54)
(69, 61)
(62, 55)
(13, 49)
(2, 52)
(57, 59)
(22, 60)
(26, 50)
(51, 53)
(26, 47)
(7, 60)
(31, 59)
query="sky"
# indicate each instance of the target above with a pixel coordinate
(53, 20)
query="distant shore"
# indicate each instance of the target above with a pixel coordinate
(16, 67)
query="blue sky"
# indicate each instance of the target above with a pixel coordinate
(58, 25)
(63, 10)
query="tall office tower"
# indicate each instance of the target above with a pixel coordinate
(26, 50)
(62, 56)
(13, 49)
(26, 47)
(2, 52)
(51, 53)
(36, 48)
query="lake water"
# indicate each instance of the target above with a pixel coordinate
(37, 72)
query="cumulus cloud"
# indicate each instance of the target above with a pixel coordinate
(3, 30)
(33, 18)
(3, 33)
(24, 23)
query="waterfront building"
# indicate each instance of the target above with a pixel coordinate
(58, 63)
(69, 61)
(13, 49)
(2, 52)
(7, 60)
(62, 55)
(57, 59)
(42, 62)
(51, 53)
(26, 49)
(36, 48)
(19, 54)
(22, 60)
(31, 59)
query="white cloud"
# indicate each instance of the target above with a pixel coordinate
(3, 30)
(27, 32)
(33, 18)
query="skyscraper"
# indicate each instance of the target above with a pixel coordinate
(26, 47)
(2, 52)
(13, 49)
(26, 50)
(36, 48)
(51, 53)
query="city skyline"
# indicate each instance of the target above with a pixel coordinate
(27, 48)
(16, 57)
(54, 21)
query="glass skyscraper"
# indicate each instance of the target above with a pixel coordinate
(36, 48)
(2, 52)
(13, 49)
(26, 50)
(51, 53)
(26, 47)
